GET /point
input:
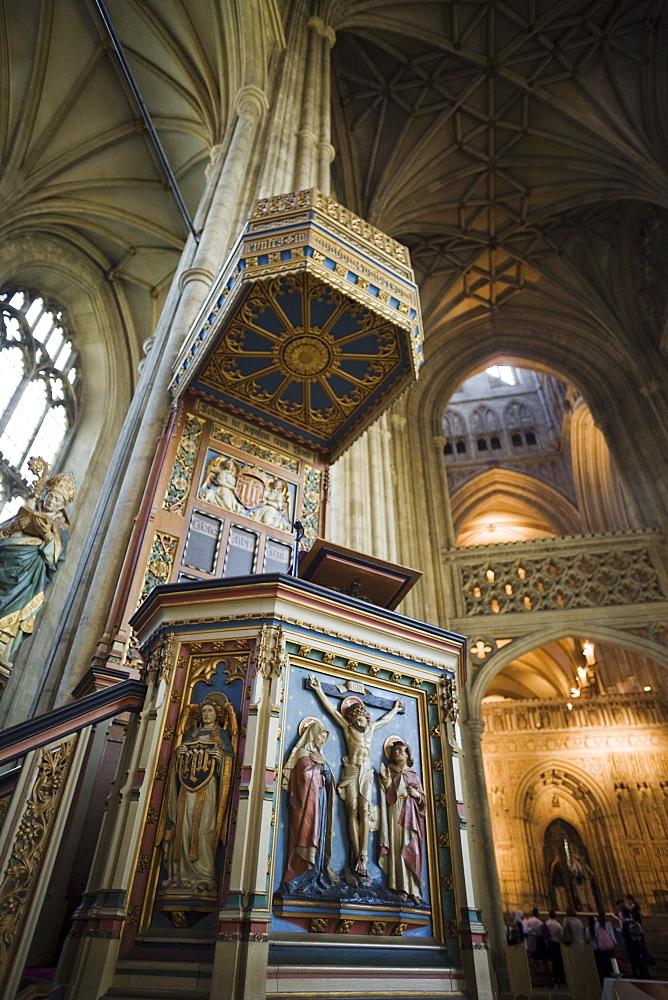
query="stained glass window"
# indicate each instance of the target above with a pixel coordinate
(39, 388)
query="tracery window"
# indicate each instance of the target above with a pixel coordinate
(454, 430)
(520, 423)
(39, 389)
(485, 427)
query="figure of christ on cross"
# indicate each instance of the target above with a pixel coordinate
(356, 785)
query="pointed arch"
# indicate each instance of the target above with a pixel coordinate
(532, 506)
(525, 643)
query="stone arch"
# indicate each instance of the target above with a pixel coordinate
(601, 498)
(546, 504)
(573, 776)
(525, 338)
(524, 644)
(581, 804)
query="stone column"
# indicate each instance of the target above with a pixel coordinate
(227, 208)
(118, 504)
(314, 149)
(307, 138)
(325, 148)
(381, 484)
(485, 874)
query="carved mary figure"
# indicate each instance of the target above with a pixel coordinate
(308, 779)
(200, 789)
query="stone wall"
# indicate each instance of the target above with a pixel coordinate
(601, 767)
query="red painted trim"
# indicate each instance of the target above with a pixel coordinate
(59, 731)
(118, 609)
(299, 598)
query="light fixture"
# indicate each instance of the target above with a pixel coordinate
(569, 706)
(582, 674)
(575, 692)
(589, 652)
(647, 688)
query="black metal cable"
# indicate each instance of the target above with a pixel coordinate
(146, 117)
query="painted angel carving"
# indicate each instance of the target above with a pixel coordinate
(201, 776)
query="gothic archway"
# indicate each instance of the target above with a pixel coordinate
(571, 875)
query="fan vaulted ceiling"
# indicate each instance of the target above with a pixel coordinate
(500, 140)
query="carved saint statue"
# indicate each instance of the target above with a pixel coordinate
(32, 548)
(356, 785)
(219, 483)
(201, 785)
(402, 809)
(308, 779)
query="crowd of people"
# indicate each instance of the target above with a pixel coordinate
(543, 938)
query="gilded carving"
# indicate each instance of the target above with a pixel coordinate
(160, 562)
(160, 660)
(318, 925)
(184, 465)
(450, 704)
(269, 656)
(305, 357)
(31, 840)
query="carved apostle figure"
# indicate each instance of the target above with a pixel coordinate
(402, 809)
(356, 785)
(308, 779)
(32, 548)
(201, 785)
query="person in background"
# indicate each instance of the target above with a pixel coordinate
(515, 933)
(533, 934)
(601, 936)
(619, 906)
(555, 931)
(573, 931)
(636, 949)
(634, 906)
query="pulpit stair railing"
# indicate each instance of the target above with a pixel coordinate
(56, 774)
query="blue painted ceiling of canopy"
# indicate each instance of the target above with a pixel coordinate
(298, 354)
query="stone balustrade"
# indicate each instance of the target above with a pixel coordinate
(591, 571)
